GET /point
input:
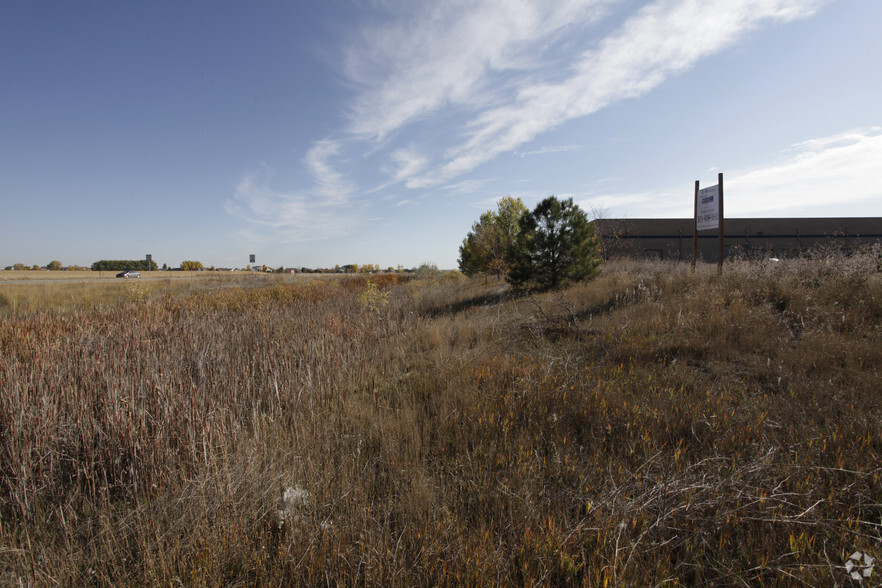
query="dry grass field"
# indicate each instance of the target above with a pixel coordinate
(13, 276)
(23, 290)
(653, 426)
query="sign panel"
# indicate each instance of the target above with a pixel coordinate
(708, 208)
(251, 258)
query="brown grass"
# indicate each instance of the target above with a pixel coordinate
(96, 276)
(651, 426)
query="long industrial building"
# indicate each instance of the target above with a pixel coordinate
(751, 238)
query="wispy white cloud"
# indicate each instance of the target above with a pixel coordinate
(493, 75)
(289, 217)
(468, 186)
(408, 162)
(324, 211)
(404, 164)
(833, 171)
(662, 39)
(330, 184)
(647, 204)
(547, 150)
(836, 175)
(431, 56)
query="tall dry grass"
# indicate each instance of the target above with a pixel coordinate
(654, 425)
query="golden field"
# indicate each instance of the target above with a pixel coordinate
(652, 426)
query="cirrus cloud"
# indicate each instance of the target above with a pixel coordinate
(443, 88)
(661, 40)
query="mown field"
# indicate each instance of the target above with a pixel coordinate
(653, 426)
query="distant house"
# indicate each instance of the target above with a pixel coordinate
(752, 238)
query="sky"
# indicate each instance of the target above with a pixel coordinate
(318, 133)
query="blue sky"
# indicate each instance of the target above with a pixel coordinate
(377, 131)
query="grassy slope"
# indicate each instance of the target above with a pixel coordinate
(652, 425)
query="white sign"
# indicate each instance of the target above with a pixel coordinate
(708, 208)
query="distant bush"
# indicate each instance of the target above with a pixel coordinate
(191, 265)
(427, 270)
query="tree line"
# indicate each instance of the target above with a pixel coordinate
(546, 248)
(191, 265)
(118, 265)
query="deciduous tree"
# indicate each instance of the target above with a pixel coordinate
(488, 248)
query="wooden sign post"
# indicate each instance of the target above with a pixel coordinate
(722, 224)
(695, 229)
(709, 215)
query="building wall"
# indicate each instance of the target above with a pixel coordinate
(754, 238)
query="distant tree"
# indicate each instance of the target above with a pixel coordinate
(18, 267)
(610, 233)
(117, 265)
(477, 249)
(489, 247)
(191, 265)
(556, 244)
(471, 260)
(54, 266)
(427, 270)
